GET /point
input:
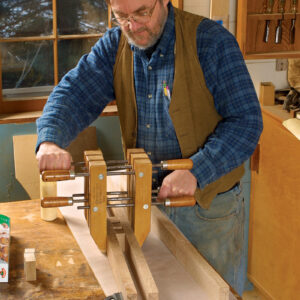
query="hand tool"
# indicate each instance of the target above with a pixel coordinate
(278, 32)
(293, 21)
(269, 10)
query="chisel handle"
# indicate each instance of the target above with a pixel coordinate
(270, 4)
(56, 175)
(177, 164)
(281, 6)
(56, 202)
(180, 201)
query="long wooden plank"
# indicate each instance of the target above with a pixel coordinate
(119, 265)
(189, 257)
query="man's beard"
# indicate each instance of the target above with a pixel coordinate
(153, 37)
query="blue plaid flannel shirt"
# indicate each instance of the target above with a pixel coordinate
(83, 93)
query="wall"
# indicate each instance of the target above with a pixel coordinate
(108, 136)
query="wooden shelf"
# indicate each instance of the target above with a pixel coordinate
(30, 117)
(251, 23)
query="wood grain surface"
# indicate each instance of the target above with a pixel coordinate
(62, 270)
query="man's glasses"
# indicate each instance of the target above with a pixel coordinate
(141, 18)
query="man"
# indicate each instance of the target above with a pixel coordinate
(182, 90)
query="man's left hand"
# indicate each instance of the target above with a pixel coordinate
(178, 183)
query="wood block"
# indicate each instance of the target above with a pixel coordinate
(30, 265)
(267, 93)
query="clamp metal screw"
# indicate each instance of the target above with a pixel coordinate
(101, 176)
(95, 209)
(146, 206)
(141, 174)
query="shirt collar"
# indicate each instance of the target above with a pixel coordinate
(168, 36)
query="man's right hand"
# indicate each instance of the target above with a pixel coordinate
(52, 157)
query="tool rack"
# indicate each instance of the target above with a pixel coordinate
(252, 16)
(108, 215)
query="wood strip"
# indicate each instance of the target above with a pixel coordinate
(139, 264)
(55, 43)
(79, 36)
(119, 266)
(27, 39)
(98, 202)
(191, 259)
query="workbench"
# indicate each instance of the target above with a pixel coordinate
(62, 270)
(66, 271)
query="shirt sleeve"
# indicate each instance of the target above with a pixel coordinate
(229, 82)
(81, 95)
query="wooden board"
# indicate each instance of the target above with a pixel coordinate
(26, 167)
(62, 270)
(219, 11)
(193, 262)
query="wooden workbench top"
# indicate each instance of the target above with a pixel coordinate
(62, 270)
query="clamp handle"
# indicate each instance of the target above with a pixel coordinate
(177, 164)
(180, 201)
(56, 202)
(57, 175)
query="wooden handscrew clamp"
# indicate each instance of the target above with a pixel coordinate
(29, 264)
(105, 218)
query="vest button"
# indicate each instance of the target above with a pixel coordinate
(161, 55)
(148, 125)
(149, 68)
(149, 153)
(149, 96)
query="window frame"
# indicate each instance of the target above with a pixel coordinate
(37, 103)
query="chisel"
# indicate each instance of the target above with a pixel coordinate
(269, 10)
(278, 33)
(293, 22)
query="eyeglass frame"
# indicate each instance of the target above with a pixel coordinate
(132, 17)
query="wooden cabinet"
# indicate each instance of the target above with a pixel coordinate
(274, 237)
(252, 16)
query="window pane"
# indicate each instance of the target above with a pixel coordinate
(25, 18)
(27, 64)
(81, 16)
(70, 51)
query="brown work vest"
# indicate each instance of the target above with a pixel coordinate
(191, 109)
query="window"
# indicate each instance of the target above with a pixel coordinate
(40, 40)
